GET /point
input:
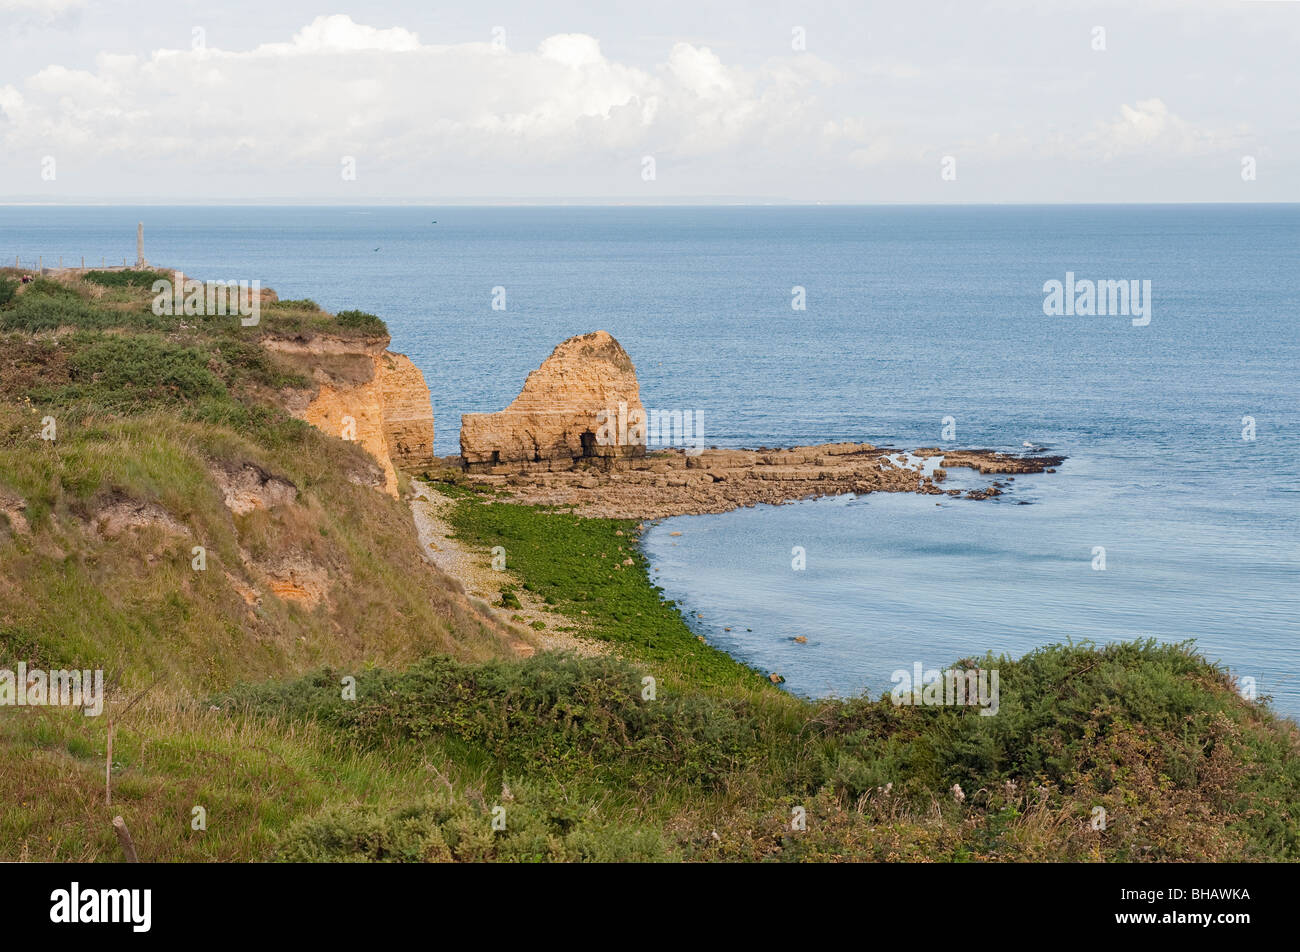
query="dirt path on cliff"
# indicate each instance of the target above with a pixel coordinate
(472, 567)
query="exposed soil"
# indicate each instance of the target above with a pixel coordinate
(473, 569)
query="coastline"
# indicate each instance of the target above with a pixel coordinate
(216, 510)
(672, 483)
(678, 482)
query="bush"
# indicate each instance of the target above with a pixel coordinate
(48, 305)
(299, 304)
(124, 371)
(563, 715)
(1151, 733)
(241, 361)
(45, 287)
(132, 278)
(361, 322)
(8, 288)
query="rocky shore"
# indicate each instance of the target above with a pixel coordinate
(577, 436)
(674, 483)
(552, 445)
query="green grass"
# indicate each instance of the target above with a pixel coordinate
(34, 311)
(104, 300)
(291, 304)
(577, 566)
(253, 779)
(361, 322)
(133, 603)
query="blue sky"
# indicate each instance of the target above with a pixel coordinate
(1020, 100)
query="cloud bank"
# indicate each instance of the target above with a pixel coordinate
(340, 87)
(423, 118)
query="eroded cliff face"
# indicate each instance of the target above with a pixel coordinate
(366, 393)
(587, 383)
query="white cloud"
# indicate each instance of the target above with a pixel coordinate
(1150, 128)
(340, 87)
(572, 49)
(1146, 130)
(50, 8)
(339, 34)
(564, 118)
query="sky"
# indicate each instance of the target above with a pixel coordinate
(745, 101)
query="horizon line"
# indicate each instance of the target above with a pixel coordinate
(597, 203)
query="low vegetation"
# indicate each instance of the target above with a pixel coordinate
(594, 570)
(586, 767)
(127, 278)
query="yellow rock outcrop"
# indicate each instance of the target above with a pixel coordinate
(368, 394)
(587, 382)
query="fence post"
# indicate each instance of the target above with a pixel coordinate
(124, 838)
(108, 768)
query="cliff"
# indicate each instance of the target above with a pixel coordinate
(214, 537)
(365, 393)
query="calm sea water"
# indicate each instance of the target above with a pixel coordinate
(913, 314)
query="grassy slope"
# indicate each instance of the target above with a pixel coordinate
(442, 730)
(145, 416)
(145, 407)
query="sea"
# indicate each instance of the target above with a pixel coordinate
(1174, 515)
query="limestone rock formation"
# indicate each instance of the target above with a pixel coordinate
(408, 413)
(673, 483)
(366, 393)
(580, 404)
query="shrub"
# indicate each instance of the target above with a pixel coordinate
(298, 304)
(564, 715)
(361, 322)
(131, 278)
(45, 287)
(123, 371)
(1152, 733)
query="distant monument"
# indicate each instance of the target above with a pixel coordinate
(139, 246)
